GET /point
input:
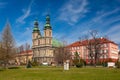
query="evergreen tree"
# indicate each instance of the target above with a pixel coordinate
(7, 48)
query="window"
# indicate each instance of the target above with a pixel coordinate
(72, 48)
(49, 41)
(102, 51)
(105, 51)
(105, 45)
(38, 41)
(72, 53)
(78, 47)
(102, 45)
(45, 33)
(49, 33)
(105, 56)
(75, 48)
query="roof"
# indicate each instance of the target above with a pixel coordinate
(47, 26)
(56, 43)
(27, 52)
(85, 42)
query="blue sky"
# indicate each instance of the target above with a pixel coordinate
(70, 19)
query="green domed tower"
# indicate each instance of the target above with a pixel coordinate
(47, 25)
(36, 28)
(35, 33)
(48, 32)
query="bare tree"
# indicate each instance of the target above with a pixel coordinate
(27, 48)
(89, 45)
(21, 48)
(7, 49)
(24, 48)
(93, 44)
(61, 54)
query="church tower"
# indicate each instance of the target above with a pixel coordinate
(36, 33)
(48, 32)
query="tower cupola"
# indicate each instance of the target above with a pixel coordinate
(47, 25)
(36, 28)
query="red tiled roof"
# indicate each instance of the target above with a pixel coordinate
(27, 51)
(85, 42)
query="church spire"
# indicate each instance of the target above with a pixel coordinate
(36, 28)
(47, 25)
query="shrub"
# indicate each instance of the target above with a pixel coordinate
(79, 65)
(29, 64)
(117, 64)
(1, 69)
(13, 68)
(34, 63)
(104, 64)
(75, 61)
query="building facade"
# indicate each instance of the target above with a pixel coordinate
(43, 52)
(23, 57)
(108, 50)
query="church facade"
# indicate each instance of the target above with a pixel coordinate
(43, 52)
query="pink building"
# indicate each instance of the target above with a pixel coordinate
(108, 50)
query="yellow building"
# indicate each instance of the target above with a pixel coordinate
(43, 52)
(23, 57)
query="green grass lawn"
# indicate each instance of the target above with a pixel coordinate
(57, 73)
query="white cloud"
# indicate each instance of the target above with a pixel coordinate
(101, 21)
(113, 29)
(102, 15)
(73, 10)
(26, 13)
(114, 33)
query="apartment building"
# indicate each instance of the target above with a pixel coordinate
(108, 50)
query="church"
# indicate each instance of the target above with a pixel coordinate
(43, 52)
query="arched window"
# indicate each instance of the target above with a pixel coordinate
(49, 33)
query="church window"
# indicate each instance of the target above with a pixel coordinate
(47, 41)
(49, 33)
(38, 41)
